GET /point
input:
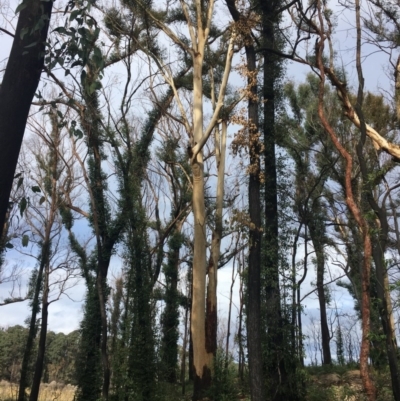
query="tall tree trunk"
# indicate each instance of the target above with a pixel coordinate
(253, 305)
(317, 237)
(17, 89)
(37, 376)
(184, 350)
(379, 247)
(211, 309)
(23, 383)
(202, 355)
(397, 89)
(228, 332)
(241, 361)
(276, 366)
(170, 315)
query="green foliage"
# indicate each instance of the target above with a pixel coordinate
(12, 345)
(170, 316)
(224, 386)
(88, 368)
(60, 355)
(339, 345)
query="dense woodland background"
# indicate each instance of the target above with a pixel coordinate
(165, 142)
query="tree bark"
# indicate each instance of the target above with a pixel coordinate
(37, 376)
(18, 87)
(277, 368)
(23, 383)
(253, 305)
(316, 238)
(211, 310)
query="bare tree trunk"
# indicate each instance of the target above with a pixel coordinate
(397, 89)
(201, 355)
(211, 311)
(228, 334)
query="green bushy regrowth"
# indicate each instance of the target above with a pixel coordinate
(224, 385)
(317, 393)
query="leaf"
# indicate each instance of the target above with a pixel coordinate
(36, 189)
(22, 205)
(21, 7)
(78, 133)
(23, 32)
(42, 199)
(20, 181)
(31, 45)
(75, 63)
(74, 14)
(61, 30)
(25, 240)
(83, 76)
(9, 246)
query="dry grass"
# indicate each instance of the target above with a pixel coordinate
(48, 392)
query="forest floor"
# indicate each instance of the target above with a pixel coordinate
(345, 385)
(48, 392)
(332, 384)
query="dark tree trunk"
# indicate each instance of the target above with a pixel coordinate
(101, 284)
(170, 316)
(18, 87)
(23, 383)
(37, 376)
(184, 350)
(253, 310)
(276, 368)
(316, 237)
(253, 307)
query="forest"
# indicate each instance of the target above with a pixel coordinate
(218, 177)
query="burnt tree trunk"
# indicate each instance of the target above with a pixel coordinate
(253, 306)
(316, 237)
(18, 87)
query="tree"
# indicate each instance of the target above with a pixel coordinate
(18, 87)
(198, 16)
(302, 147)
(253, 304)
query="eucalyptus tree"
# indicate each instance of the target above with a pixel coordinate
(198, 17)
